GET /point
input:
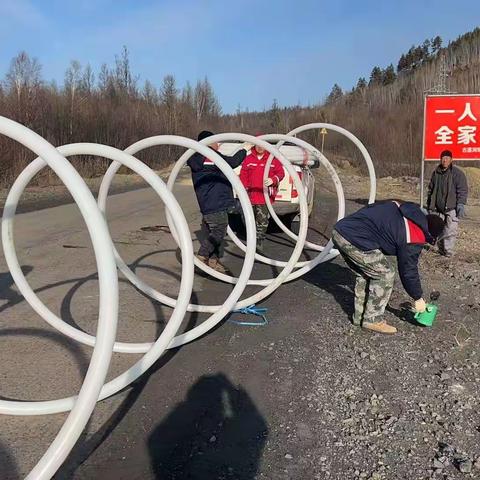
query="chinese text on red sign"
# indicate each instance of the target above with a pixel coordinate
(452, 123)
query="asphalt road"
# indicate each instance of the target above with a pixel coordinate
(240, 403)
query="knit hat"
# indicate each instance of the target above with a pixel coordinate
(204, 134)
(446, 153)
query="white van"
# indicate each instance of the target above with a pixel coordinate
(286, 203)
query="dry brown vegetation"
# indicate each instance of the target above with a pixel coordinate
(111, 108)
(386, 112)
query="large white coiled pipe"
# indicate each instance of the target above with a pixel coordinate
(93, 387)
(82, 409)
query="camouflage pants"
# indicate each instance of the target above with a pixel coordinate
(262, 217)
(374, 279)
(214, 229)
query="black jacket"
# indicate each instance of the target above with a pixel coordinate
(214, 191)
(382, 226)
(456, 189)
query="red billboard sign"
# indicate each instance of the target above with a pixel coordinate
(452, 122)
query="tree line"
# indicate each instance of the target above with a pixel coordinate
(108, 107)
(386, 112)
(111, 107)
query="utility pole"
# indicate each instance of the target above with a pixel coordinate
(440, 85)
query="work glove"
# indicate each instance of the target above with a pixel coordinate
(460, 210)
(247, 146)
(268, 182)
(420, 305)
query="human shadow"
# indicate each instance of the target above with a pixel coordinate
(88, 443)
(337, 280)
(216, 432)
(403, 313)
(8, 465)
(7, 292)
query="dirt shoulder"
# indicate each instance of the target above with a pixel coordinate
(41, 197)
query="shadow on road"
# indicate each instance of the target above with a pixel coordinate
(58, 338)
(216, 432)
(88, 443)
(8, 466)
(337, 280)
(6, 291)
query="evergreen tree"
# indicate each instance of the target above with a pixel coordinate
(388, 75)
(361, 84)
(402, 64)
(409, 58)
(169, 92)
(376, 76)
(275, 117)
(335, 94)
(187, 95)
(426, 49)
(436, 44)
(149, 93)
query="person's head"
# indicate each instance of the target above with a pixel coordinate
(446, 159)
(205, 134)
(435, 225)
(259, 150)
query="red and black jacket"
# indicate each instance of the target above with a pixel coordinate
(399, 229)
(252, 172)
(212, 188)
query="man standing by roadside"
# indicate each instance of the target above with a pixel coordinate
(215, 199)
(447, 197)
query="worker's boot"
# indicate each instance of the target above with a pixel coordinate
(203, 259)
(216, 265)
(379, 327)
(259, 249)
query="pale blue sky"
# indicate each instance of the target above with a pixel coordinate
(252, 50)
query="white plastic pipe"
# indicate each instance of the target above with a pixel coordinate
(92, 388)
(356, 142)
(340, 213)
(70, 331)
(271, 285)
(108, 303)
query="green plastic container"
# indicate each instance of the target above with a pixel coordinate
(428, 316)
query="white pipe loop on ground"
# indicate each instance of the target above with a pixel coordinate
(93, 387)
(301, 239)
(340, 213)
(271, 285)
(97, 371)
(335, 128)
(72, 332)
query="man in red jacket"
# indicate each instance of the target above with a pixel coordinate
(251, 175)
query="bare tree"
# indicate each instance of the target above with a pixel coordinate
(73, 77)
(24, 75)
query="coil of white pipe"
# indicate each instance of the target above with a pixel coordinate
(103, 343)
